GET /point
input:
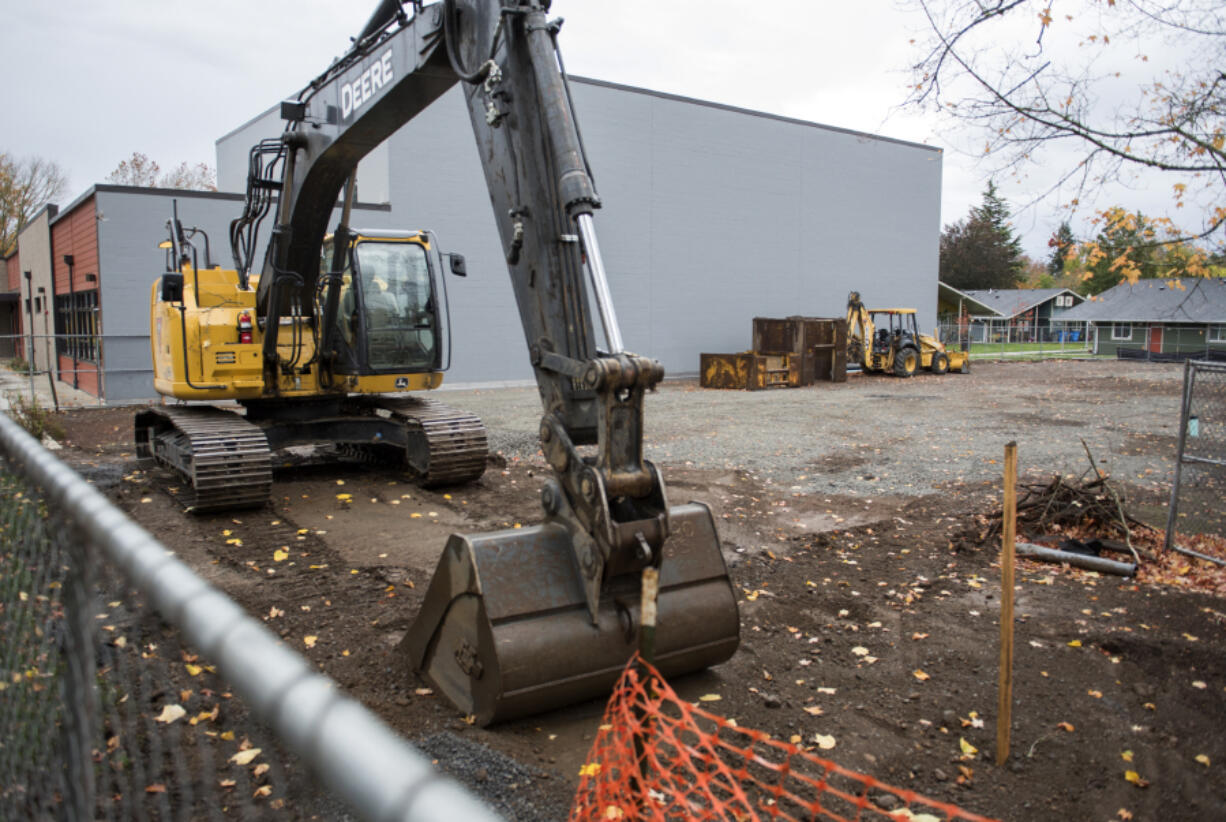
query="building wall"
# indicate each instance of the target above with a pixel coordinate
(75, 232)
(34, 248)
(712, 216)
(1176, 339)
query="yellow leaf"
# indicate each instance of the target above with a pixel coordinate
(1202, 759)
(170, 713)
(710, 698)
(280, 555)
(614, 812)
(194, 670)
(1095, 694)
(920, 675)
(1076, 643)
(245, 757)
(967, 748)
(234, 541)
(590, 769)
(1135, 778)
(1067, 726)
(344, 497)
(1126, 756)
(310, 641)
(227, 736)
(824, 741)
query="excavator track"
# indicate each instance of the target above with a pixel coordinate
(224, 460)
(446, 446)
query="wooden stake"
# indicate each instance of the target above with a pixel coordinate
(1004, 704)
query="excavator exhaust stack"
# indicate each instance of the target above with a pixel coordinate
(505, 629)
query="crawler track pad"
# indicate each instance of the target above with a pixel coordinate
(504, 629)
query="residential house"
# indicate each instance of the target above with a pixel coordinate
(1025, 315)
(1159, 319)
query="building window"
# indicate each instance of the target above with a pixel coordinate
(1217, 333)
(1121, 331)
(76, 325)
(1064, 301)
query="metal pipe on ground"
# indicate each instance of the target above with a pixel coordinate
(1104, 566)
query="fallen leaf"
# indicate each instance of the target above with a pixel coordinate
(170, 713)
(590, 769)
(1124, 814)
(245, 757)
(1076, 643)
(918, 635)
(1202, 759)
(226, 783)
(967, 748)
(423, 692)
(824, 741)
(194, 670)
(1200, 685)
(1135, 778)
(860, 650)
(920, 675)
(1095, 694)
(275, 612)
(158, 788)
(260, 769)
(710, 698)
(1126, 756)
(814, 710)
(280, 555)
(1066, 726)
(310, 641)
(263, 790)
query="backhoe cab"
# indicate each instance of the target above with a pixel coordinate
(887, 341)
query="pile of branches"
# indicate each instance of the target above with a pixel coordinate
(1090, 500)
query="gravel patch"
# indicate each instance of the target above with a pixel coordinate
(507, 786)
(877, 435)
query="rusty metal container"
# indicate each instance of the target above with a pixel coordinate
(749, 370)
(819, 343)
(504, 630)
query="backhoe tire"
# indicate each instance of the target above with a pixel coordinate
(906, 362)
(940, 363)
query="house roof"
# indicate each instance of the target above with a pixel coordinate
(949, 294)
(1009, 302)
(1185, 300)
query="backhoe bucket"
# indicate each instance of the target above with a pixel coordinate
(505, 630)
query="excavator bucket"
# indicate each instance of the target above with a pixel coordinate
(505, 630)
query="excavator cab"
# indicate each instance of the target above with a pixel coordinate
(392, 314)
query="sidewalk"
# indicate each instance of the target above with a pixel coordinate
(15, 384)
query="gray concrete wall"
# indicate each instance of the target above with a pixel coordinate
(712, 216)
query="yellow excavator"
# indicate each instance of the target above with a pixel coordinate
(324, 348)
(887, 341)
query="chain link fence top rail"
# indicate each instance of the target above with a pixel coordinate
(132, 689)
(1199, 490)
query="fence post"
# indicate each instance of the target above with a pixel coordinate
(1185, 405)
(78, 687)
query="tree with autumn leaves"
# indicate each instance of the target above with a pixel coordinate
(25, 185)
(1034, 78)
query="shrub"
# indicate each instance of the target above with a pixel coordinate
(39, 421)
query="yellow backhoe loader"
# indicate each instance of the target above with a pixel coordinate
(887, 340)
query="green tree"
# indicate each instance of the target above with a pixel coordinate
(1123, 250)
(25, 186)
(982, 251)
(1061, 243)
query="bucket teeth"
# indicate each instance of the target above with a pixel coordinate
(504, 630)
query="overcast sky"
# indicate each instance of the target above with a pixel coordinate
(88, 83)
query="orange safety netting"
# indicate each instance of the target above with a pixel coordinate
(658, 757)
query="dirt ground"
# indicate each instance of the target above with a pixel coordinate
(874, 622)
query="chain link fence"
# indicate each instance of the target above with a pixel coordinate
(1003, 339)
(132, 689)
(1198, 493)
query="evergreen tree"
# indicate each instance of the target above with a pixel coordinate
(1060, 243)
(982, 251)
